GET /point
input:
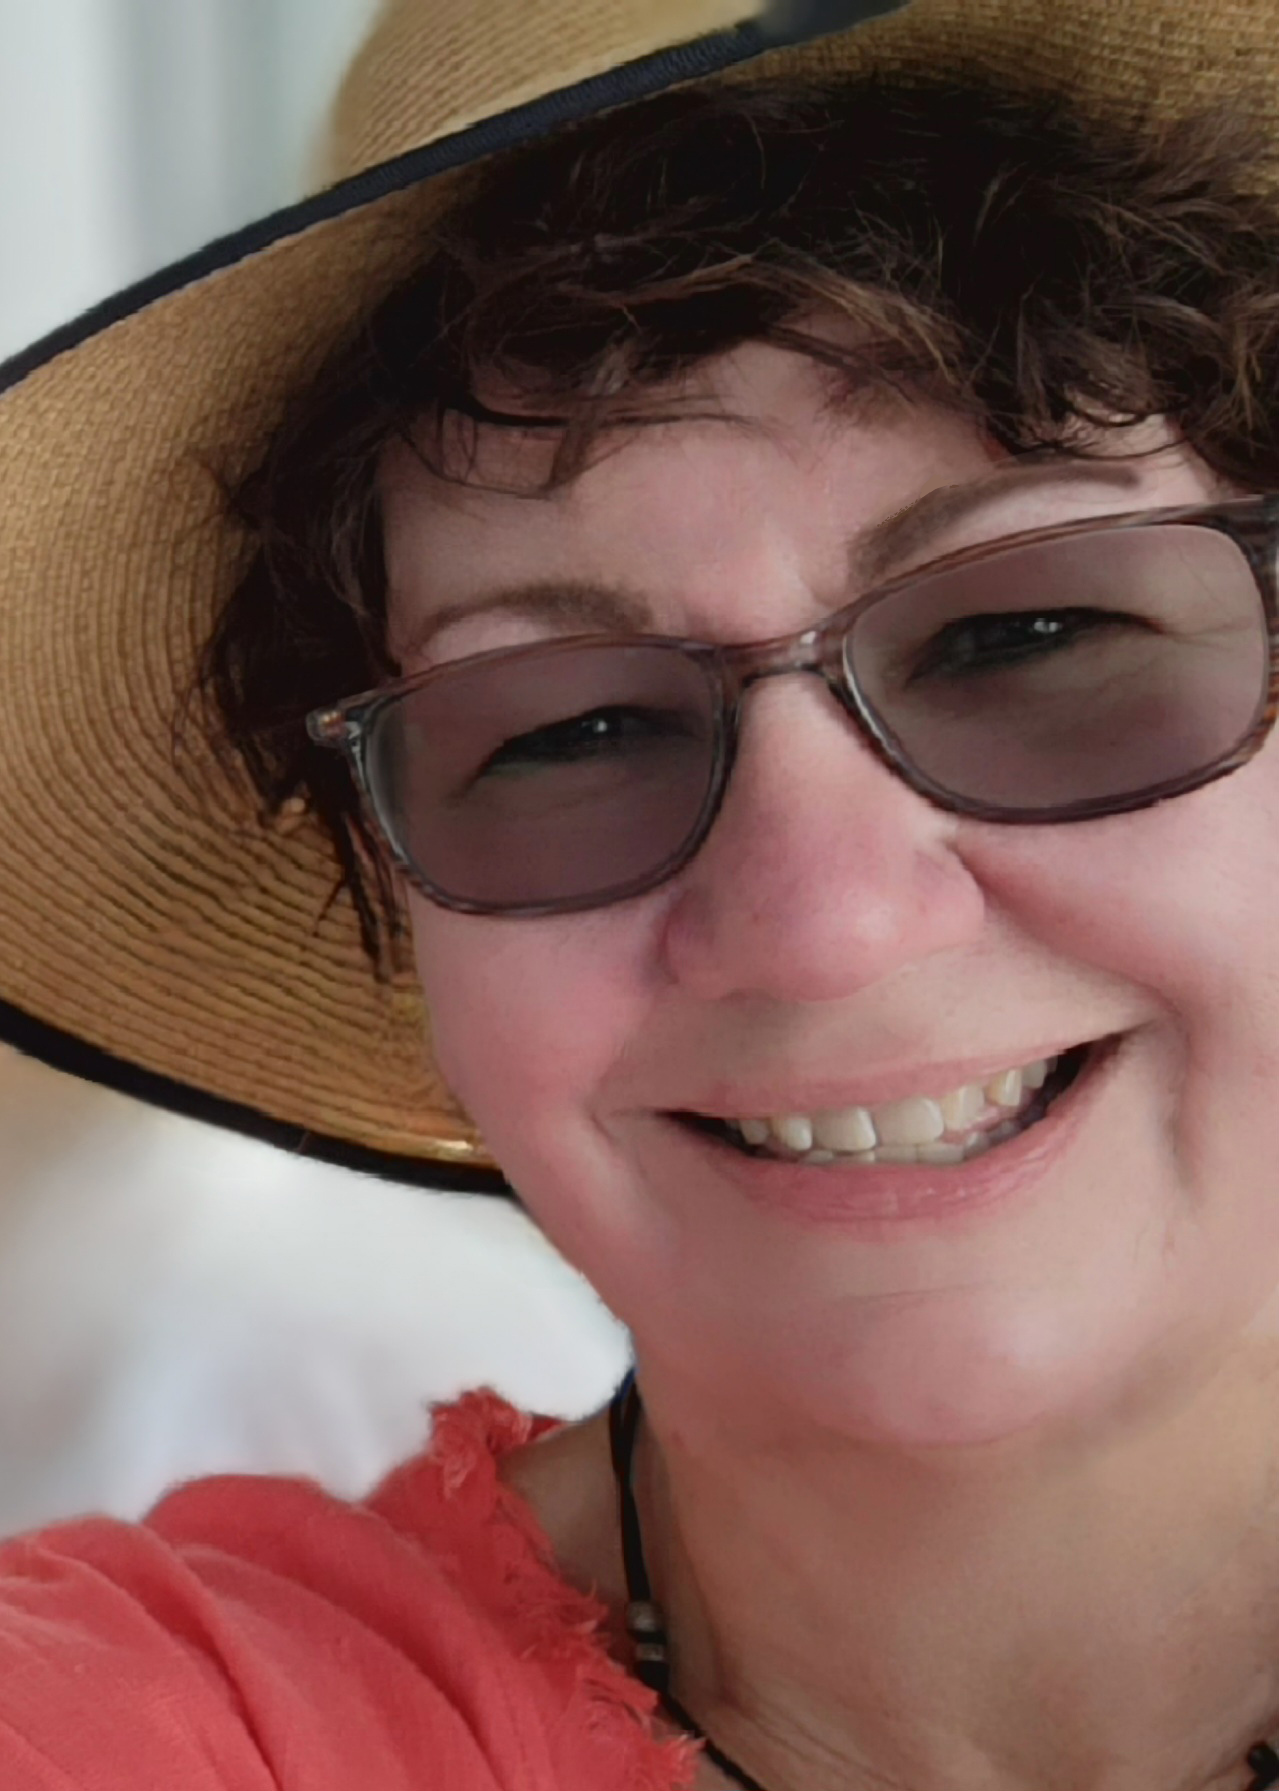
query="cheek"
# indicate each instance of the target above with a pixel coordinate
(1181, 899)
(1180, 904)
(530, 1022)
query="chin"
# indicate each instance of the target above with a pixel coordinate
(944, 1374)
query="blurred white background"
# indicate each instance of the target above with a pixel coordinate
(172, 1300)
(133, 131)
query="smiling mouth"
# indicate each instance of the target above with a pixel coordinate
(972, 1136)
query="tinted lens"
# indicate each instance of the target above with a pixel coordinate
(561, 775)
(1086, 669)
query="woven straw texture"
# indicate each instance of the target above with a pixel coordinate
(142, 906)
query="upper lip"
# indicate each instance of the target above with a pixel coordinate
(747, 1099)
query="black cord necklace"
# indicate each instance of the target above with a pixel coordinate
(647, 1626)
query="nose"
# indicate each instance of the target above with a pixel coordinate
(823, 873)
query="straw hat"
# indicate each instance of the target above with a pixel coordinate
(153, 935)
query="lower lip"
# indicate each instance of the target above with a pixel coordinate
(891, 1194)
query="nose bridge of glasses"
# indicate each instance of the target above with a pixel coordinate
(814, 651)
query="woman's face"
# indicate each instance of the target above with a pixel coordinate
(838, 934)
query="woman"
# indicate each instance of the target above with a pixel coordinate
(889, 1045)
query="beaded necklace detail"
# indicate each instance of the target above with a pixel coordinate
(646, 1624)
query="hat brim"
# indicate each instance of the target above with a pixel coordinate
(154, 935)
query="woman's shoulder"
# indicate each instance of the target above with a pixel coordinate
(256, 1632)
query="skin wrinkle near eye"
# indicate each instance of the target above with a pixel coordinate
(612, 609)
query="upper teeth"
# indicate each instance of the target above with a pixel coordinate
(918, 1120)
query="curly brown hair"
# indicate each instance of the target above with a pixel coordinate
(1007, 255)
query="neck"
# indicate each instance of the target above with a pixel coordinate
(1092, 1613)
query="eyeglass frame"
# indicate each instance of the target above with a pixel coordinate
(1252, 524)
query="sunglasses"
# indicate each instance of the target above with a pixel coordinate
(1086, 669)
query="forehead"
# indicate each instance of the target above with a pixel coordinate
(757, 438)
(759, 485)
(758, 406)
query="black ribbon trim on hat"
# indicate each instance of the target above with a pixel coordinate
(74, 1057)
(800, 21)
(783, 22)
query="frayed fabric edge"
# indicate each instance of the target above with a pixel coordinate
(494, 1547)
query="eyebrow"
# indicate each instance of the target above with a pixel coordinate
(614, 609)
(899, 537)
(575, 603)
